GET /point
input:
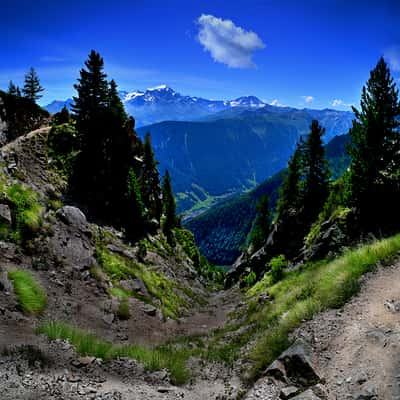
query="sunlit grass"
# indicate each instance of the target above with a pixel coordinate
(86, 343)
(304, 293)
(157, 284)
(31, 296)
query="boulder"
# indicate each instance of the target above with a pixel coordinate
(295, 366)
(368, 391)
(307, 395)
(108, 318)
(134, 285)
(149, 310)
(83, 361)
(5, 214)
(277, 371)
(72, 216)
(288, 392)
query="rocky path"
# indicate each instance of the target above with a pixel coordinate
(33, 368)
(359, 346)
(356, 348)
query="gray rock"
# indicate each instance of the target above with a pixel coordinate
(307, 395)
(83, 361)
(5, 214)
(277, 371)
(72, 216)
(320, 391)
(368, 391)
(377, 336)
(108, 318)
(288, 392)
(149, 310)
(298, 366)
(134, 285)
(392, 306)
(361, 378)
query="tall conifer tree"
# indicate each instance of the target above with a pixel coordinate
(169, 207)
(150, 180)
(374, 183)
(316, 174)
(32, 87)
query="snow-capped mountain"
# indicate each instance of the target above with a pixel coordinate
(162, 103)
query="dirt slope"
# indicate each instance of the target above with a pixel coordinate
(357, 347)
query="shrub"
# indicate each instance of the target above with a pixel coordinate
(31, 296)
(123, 310)
(250, 279)
(278, 265)
(63, 147)
(26, 210)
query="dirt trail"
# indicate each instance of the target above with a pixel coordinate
(357, 347)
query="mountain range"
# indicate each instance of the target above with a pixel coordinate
(218, 156)
(215, 148)
(162, 103)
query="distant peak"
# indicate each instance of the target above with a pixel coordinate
(159, 87)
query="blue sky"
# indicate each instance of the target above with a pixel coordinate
(310, 53)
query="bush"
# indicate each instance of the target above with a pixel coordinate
(31, 296)
(249, 279)
(26, 211)
(123, 310)
(62, 144)
(277, 265)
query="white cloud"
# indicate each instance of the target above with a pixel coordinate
(392, 56)
(276, 103)
(340, 103)
(308, 99)
(227, 43)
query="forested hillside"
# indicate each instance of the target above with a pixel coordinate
(221, 231)
(247, 147)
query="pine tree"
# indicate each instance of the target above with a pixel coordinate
(316, 174)
(262, 224)
(92, 124)
(32, 87)
(13, 90)
(169, 208)
(374, 185)
(62, 117)
(135, 214)
(150, 181)
(289, 193)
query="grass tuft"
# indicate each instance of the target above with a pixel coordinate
(31, 296)
(157, 284)
(26, 210)
(86, 343)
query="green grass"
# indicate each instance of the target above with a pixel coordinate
(157, 284)
(31, 296)
(26, 211)
(305, 292)
(86, 343)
